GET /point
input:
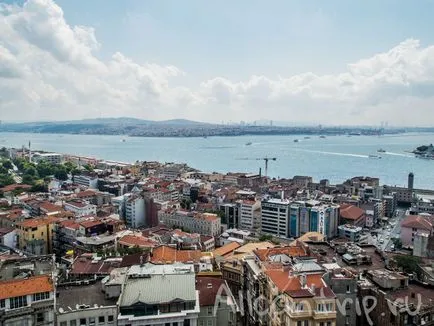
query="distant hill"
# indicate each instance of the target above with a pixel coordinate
(122, 125)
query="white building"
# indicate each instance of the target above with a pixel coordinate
(135, 211)
(80, 208)
(202, 223)
(86, 181)
(8, 237)
(250, 214)
(53, 158)
(275, 217)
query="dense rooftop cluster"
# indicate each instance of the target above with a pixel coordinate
(163, 244)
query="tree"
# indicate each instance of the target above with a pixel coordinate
(61, 174)
(397, 243)
(6, 180)
(28, 179)
(408, 264)
(31, 171)
(266, 237)
(7, 165)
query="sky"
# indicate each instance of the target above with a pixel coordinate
(333, 62)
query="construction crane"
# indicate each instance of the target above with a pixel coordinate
(266, 159)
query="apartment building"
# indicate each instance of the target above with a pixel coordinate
(80, 208)
(194, 222)
(250, 214)
(36, 235)
(414, 225)
(53, 158)
(135, 211)
(86, 180)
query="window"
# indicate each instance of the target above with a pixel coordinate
(83, 322)
(329, 323)
(101, 319)
(209, 322)
(91, 320)
(18, 302)
(210, 310)
(348, 289)
(41, 296)
(303, 323)
(73, 323)
(2, 303)
(299, 307)
(39, 317)
(63, 323)
(110, 318)
(201, 323)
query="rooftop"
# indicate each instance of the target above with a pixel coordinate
(165, 254)
(21, 287)
(226, 249)
(351, 212)
(417, 222)
(87, 295)
(208, 288)
(158, 289)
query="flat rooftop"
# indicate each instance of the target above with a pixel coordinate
(90, 295)
(21, 267)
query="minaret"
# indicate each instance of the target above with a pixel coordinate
(30, 152)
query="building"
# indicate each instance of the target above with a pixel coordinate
(80, 208)
(135, 211)
(53, 158)
(390, 204)
(250, 214)
(353, 215)
(413, 225)
(86, 180)
(27, 301)
(275, 217)
(8, 237)
(231, 215)
(164, 295)
(36, 235)
(217, 304)
(194, 222)
(27, 291)
(344, 285)
(84, 305)
(350, 232)
(313, 216)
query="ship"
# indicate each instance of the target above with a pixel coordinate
(248, 144)
(375, 156)
(295, 140)
(381, 150)
(322, 136)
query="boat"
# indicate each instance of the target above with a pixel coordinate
(123, 140)
(248, 144)
(375, 156)
(307, 137)
(295, 140)
(322, 136)
(381, 150)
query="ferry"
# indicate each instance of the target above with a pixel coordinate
(295, 140)
(322, 136)
(374, 156)
(248, 144)
(381, 150)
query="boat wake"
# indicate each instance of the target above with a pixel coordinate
(397, 154)
(335, 153)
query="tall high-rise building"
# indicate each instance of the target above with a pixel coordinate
(411, 180)
(275, 217)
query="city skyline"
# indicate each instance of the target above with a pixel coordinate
(331, 63)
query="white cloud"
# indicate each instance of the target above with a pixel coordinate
(51, 70)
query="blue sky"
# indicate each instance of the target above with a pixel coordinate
(236, 39)
(330, 61)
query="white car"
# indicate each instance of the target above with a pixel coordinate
(381, 241)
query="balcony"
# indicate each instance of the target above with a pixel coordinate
(300, 313)
(319, 315)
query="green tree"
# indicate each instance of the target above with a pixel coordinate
(407, 263)
(6, 180)
(7, 165)
(31, 171)
(61, 174)
(28, 179)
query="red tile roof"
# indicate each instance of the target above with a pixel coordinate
(86, 193)
(16, 288)
(351, 212)
(226, 249)
(417, 222)
(91, 223)
(35, 222)
(15, 187)
(49, 207)
(165, 254)
(133, 240)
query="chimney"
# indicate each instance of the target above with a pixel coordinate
(303, 281)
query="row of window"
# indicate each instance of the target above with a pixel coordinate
(18, 302)
(91, 320)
